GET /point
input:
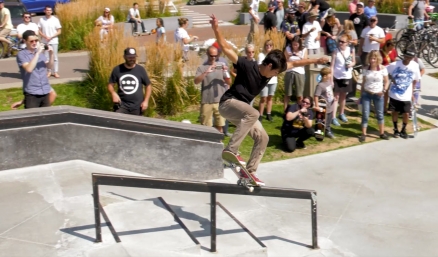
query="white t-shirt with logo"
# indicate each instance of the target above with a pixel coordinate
(377, 32)
(403, 76)
(374, 79)
(310, 42)
(49, 28)
(24, 27)
(262, 56)
(3, 13)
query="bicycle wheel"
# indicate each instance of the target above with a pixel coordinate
(401, 46)
(432, 55)
(399, 34)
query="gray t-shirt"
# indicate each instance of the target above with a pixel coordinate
(418, 9)
(213, 86)
(352, 33)
(325, 90)
(280, 17)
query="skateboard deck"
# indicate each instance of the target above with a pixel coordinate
(138, 34)
(320, 118)
(415, 126)
(232, 161)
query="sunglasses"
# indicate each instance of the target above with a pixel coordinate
(250, 52)
(373, 20)
(212, 56)
(34, 41)
(304, 102)
(342, 42)
(26, 17)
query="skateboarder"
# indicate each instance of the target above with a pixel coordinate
(325, 90)
(250, 80)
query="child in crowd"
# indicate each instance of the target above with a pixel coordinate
(324, 89)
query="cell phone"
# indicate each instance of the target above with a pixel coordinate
(219, 67)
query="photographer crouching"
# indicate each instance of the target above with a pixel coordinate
(33, 66)
(297, 124)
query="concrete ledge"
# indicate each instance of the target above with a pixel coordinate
(153, 147)
(170, 23)
(385, 20)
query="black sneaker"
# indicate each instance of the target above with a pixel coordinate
(362, 138)
(301, 145)
(396, 133)
(384, 136)
(260, 118)
(269, 117)
(403, 134)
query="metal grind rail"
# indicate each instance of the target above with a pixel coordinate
(203, 187)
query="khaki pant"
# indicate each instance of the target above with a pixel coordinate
(245, 118)
(211, 110)
(254, 30)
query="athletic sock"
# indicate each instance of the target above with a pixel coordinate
(404, 126)
(395, 125)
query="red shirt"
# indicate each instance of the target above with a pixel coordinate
(387, 59)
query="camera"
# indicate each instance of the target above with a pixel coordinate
(304, 114)
(46, 47)
(219, 67)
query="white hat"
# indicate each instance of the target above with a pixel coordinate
(107, 9)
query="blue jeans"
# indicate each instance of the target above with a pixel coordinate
(378, 101)
(419, 25)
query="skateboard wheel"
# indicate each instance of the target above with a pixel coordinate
(239, 182)
(251, 189)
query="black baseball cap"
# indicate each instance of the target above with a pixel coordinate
(409, 53)
(271, 5)
(129, 52)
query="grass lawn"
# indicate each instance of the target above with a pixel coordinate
(435, 75)
(347, 135)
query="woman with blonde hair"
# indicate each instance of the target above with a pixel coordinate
(105, 22)
(269, 91)
(349, 30)
(343, 61)
(182, 37)
(374, 86)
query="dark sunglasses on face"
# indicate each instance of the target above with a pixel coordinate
(373, 20)
(212, 56)
(342, 42)
(304, 102)
(250, 52)
(26, 17)
(34, 41)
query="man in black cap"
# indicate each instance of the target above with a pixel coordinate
(270, 19)
(360, 20)
(130, 78)
(404, 76)
(290, 26)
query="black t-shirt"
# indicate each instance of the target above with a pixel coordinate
(248, 82)
(302, 19)
(269, 20)
(323, 5)
(295, 124)
(360, 22)
(130, 83)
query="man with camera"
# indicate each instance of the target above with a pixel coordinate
(215, 79)
(297, 124)
(33, 66)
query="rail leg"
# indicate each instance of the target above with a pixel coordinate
(213, 221)
(97, 212)
(313, 205)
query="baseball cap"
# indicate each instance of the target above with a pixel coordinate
(360, 3)
(129, 52)
(291, 11)
(106, 9)
(313, 14)
(271, 5)
(409, 53)
(330, 12)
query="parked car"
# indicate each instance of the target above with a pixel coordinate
(193, 2)
(17, 9)
(37, 6)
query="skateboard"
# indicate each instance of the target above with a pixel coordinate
(232, 162)
(139, 34)
(415, 126)
(321, 117)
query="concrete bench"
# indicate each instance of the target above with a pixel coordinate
(170, 24)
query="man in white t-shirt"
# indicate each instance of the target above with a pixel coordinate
(404, 76)
(370, 39)
(312, 33)
(255, 19)
(26, 25)
(5, 26)
(134, 17)
(50, 29)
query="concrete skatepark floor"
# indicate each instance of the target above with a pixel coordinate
(373, 200)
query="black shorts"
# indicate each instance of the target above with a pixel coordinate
(399, 106)
(35, 101)
(122, 109)
(342, 85)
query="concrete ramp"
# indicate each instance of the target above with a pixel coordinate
(148, 146)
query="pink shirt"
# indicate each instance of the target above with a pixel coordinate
(352, 7)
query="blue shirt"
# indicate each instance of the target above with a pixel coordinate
(36, 82)
(370, 11)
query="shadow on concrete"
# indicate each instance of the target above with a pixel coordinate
(80, 70)
(429, 97)
(14, 75)
(73, 231)
(205, 224)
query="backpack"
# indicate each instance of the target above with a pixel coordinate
(331, 45)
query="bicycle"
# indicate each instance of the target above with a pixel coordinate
(5, 48)
(411, 36)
